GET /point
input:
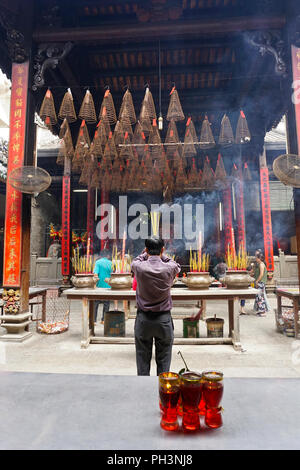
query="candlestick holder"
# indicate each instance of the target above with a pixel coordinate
(213, 393)
(191, 389)
(169, 392)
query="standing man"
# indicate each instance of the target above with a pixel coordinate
(102, 268)
(155, 274)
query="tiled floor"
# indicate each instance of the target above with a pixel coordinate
(267, 353)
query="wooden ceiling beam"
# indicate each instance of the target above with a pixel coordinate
(175, 29)
(226, 70)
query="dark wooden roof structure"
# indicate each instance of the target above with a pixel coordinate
(223, 55)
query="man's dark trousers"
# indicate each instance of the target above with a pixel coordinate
(149, 325)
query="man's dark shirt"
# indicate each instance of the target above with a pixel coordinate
(155, 276)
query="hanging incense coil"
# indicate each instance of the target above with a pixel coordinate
(207, 180)
(242, 135)
(226, 134)
(62, 153)
(193, 181)
(180, 179)
(108, 108)
(95, 180)
(154, 141)
(206, 137)
(118, 134)
(139, 139)
(65, 135)
(149, 105)
(145, 120)
(246, 173)
(87, 110)
(172, 142)
(189, 149)
(102, 134)
(87, 172)
(82, 147)
(235, 172)
(67, 110)
(175, 112)
(156, 180)
(126, 151)
(110, 150)
(190, 125)
(97, 145)
(127, 111)
(220, 173)
(47, 109)
(126, 124)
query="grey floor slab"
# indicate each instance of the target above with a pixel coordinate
(73, 411)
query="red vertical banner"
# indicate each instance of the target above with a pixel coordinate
(66, 228)
(227, 204)
(267, 221)
(296, 96)
(240, 212)
(90, 217)
(13, 210)
(104, 200)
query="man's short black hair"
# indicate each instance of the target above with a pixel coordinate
(154, 245)
(105, 254)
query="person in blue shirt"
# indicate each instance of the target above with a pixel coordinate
(103, 267)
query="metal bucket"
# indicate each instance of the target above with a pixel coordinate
(190, 328)
(215, 327)
(114, 323)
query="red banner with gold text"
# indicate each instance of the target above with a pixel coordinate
(13, 209)
(267, 221)
(296, 96)
(66, 226)
(227, 204)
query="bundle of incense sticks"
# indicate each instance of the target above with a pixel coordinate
(238, 261)
(155, 218)
(82, 264)
(199, 262)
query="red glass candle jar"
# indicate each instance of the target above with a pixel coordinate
(213, 393)
(169, 392)
(190, 388)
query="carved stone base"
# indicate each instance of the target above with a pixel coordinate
(16, 327)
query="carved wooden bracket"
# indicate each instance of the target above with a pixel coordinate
(48, 56)
(270, 42)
